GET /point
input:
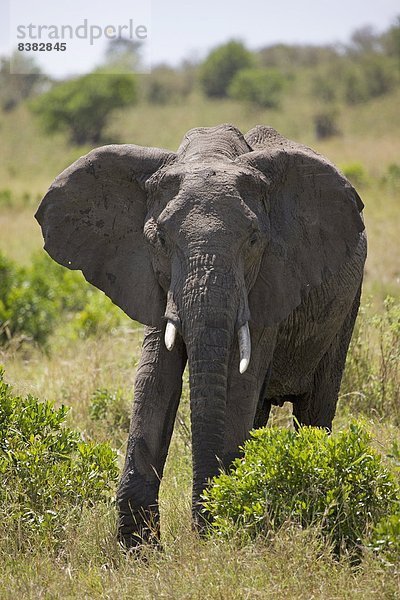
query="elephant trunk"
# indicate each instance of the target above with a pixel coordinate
(210, 315)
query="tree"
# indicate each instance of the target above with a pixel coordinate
(123, 55)
(82, 106)
(365, 41)
(165, 84)
(288, 58)
(220, 67)
(262, 87)
(391, 41)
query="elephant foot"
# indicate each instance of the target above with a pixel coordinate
(138, 527)
(201, 519)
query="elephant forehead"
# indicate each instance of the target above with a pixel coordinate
(220, 141)
(196, 211)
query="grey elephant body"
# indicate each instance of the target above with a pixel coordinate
(229, 235)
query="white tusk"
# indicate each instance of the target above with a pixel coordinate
(244, 347)
(170, 335)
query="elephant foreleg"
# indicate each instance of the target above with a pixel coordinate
(158, 389)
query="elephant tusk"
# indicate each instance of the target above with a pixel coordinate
(170, 335)
(244, 347)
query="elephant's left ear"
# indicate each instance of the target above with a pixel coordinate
(315, 225)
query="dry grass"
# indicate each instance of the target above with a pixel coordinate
(292, 565)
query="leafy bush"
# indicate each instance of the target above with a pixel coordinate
(379, 75)
(9, 199)
(337, 483)
(392, 176)
(262, 87)
(98, 316)
(354, 85)
(355, 173)
(48, 473)
(166, 85)
(366, 79)
(220, 67)
(386, 538)
(81, 106)
(371, 381)
(7, 277)
(324, 87)
(6, 198)
(33, 298)
(111, 407)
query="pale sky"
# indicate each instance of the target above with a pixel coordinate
(189, 28)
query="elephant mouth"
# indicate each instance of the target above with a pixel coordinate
(244, 340)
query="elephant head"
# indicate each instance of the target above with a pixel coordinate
(230, 230)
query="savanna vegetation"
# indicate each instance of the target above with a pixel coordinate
(69, 354)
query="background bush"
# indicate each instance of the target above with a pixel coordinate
(355, 173)
(337, 483)
(220, 67)
(36, 299)
(262, 87)
(166, 85)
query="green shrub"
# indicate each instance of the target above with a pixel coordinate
(111, 407)
(33, 298)
(379, 75)
(98, 316)
(355, 88)
(324, 87)
(367, 78)
(337, 483)
(6, 198)
(392, 176)
(7, 276)
(220, 67)
(386, 538)
(32, 309)
(166, 85)
(371, 381)
(262, 87)
(48, 473)
(355, 173)
(81, 106)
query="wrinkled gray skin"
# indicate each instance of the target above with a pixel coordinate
(229, 230)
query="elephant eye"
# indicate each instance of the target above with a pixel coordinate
(253, 239)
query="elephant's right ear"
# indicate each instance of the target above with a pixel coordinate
(92, 219)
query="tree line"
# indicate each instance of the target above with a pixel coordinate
(366, 67)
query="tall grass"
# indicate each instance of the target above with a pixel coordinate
(371, 383)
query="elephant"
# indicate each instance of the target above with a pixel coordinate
(243, 256)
